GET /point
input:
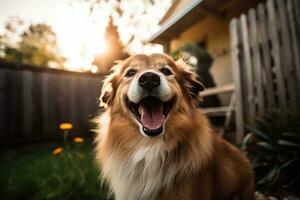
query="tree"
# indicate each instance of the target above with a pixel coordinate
(112, 37)
(115, 49)
(35, 45)
(136, 20)
(201, 61)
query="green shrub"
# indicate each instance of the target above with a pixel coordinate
(273, 147)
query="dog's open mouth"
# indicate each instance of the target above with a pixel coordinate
(151, 112)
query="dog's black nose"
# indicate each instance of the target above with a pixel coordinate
(149, 80)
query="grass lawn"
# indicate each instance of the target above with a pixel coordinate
(33, 172)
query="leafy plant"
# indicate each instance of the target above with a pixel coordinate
(273, 147)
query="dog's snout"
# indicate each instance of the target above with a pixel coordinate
(149, 80)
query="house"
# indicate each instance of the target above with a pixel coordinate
(260, 45)
(206, 23)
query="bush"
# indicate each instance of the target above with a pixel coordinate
(273, 147)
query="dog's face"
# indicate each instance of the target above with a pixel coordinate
(150, 89)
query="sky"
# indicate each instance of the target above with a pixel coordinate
(80, 34)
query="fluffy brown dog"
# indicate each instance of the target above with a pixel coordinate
(154, 144)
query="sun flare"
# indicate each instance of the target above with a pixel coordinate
(81, 33)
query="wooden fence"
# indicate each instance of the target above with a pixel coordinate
(34, 101)
(266, 60)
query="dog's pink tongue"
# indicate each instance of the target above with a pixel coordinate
(152, 117)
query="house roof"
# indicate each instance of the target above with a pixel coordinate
(171, 11)
(186, 17)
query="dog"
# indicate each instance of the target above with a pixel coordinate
(153, 143)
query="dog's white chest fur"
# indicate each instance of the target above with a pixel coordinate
(140, 176)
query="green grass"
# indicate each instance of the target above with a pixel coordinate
(34, 173)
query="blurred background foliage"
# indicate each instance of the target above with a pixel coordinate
(201, 61)
(115, 49)
(136, 17)
(273, 147)
(34, 44)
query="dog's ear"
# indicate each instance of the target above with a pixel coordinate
(190, 80)
(108, 88)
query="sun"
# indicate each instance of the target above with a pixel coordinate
(102, 48)
(82, 37)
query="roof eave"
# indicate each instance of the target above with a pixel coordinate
(155, 37)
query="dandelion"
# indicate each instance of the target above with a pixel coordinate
(57, 151)
(78, 139)
(66, 126)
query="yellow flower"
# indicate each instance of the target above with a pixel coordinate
(57, 151)
(78, 139)
(65, 126)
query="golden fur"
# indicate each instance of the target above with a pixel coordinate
(187, 162)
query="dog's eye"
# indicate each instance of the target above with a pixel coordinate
(166, 71)
(130, 73)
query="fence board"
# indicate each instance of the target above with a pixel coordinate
(295, 36)
(235, 41)
(86, 106)
(37, 117)
(256, 62)
(63, 98)
(74, 103)
(15, 105)
(287, 60)
(3, 107)
(52, 105)
(296, 5)
(27, 103)
(45, 103)
(266, 57)
(248, 63)
(272, 18)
